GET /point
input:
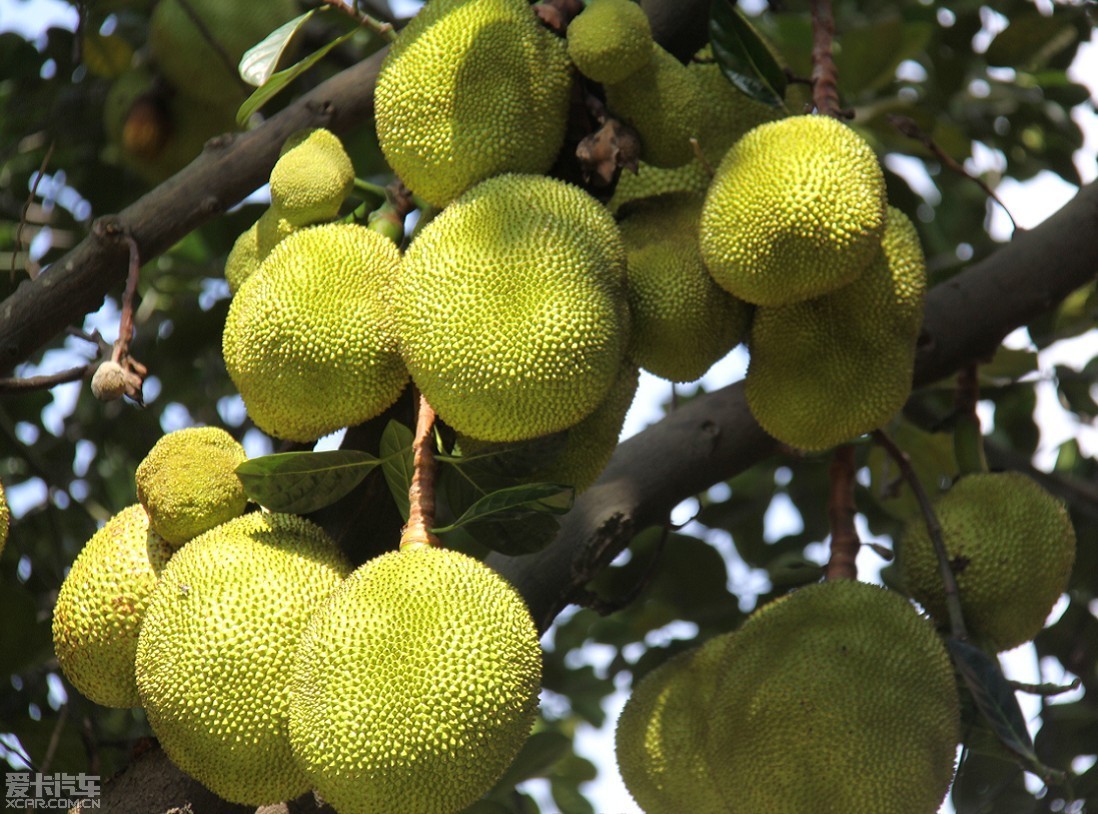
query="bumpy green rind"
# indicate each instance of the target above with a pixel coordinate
(101, 606)
(837, 698)
(311, 177)
(649, 182)
(609, 40)
(1011, 546)
(826, 370)
(415, 685)
(796, 210)
(309, 341)
(213, 658)
(471, 89)
(511, 308)
(188, 483)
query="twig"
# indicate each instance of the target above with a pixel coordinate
(421, 492)
(825, 88)
(968, 440)
(604, 607)
(45, 382)
(27, 205)
(840, 510)
(383, 28)
(55, 738)
(1046, 689)
(122, 374)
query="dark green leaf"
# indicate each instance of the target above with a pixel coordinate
(260, 61)
(397, 463)
(514, 538)
(568, 798)
(1031, 40)
(538, 754)
(867, 56)
(302, 482)
(515, 503)
(743, 57)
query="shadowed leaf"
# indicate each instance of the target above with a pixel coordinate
(302, 482)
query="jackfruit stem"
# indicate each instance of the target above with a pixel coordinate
(825, 89)
(968, 439)
(421, 492)
(841, 510)
(934, 530)
(383, 28)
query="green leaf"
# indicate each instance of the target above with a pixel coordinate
(867, 56)
(260, 61)
(742, 55)
(515, 503)
(277, 82)
(540, 752)
(568, 798)
(302, 482)
(397, 463)
(1031, 40)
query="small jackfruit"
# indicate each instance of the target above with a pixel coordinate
(796, 210)
(188, 482)
(1011, 547)
(311, 177)
(101, 606)
(309, 340)
(683, 322)
(214, 653)
(662, 734)
(253, 246)
(663, 103)
(471, 89)
(649, 181)
(609, 40)
(836, 698)
(511, 308)
(415, 685)
(826, 370)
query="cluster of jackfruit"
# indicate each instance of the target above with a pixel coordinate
(838, 697)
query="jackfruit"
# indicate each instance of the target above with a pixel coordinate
(471, 89)
(188, 482)
(661, 736)
(5, 519)
(649, 181)
(311, 177)
(1011, 547)
(837, 698)
(609, 40)
(511, 308)
(244, 258)
(683, 322)
(826, 370)
(309, 340)
(101, 605)
(796, 210)
(415, 685)
(270, 230)
(663, 103)
(214, 653)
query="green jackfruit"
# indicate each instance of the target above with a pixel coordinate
(609, 40)
(311, 178)
(188, 482)
(663, 103)
(662, 734)
(796, 210)
(244, 258)
(309, 340)
(826, 370)
(837, 698)
(213, 658)
(511, 308)
(415, 685)
(683, 322)
(1011, 546)
(471, 89)
(649, 181)
(101, 605)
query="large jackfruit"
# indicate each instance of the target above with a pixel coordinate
(101, 606)
(662, 734)
(837, 698)
(471, 89)
(511, 308)
(188, 482)
(309, 340)
(213, 658)
(826, 370)
(796, 210)
(311, 177)
(683, 322)
(609, 40)
(1011, 547)
(415, 685)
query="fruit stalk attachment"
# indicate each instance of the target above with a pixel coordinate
(421, 493)
(841, 510)
(825, 89)
(122, 374)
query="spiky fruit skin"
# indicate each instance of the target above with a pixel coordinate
(415, 685)
(214, 653)
(188, 482)
(311, 177)
(661, 736)
(244, 258)
(650, 182)
(826, 370)
(1011, 547)
(683, 322)
(101, 606)
(471, 89)
(511, 308)
(662, 102)
(838, 697)
(796, 210)
(309, 340)
(609, 40)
